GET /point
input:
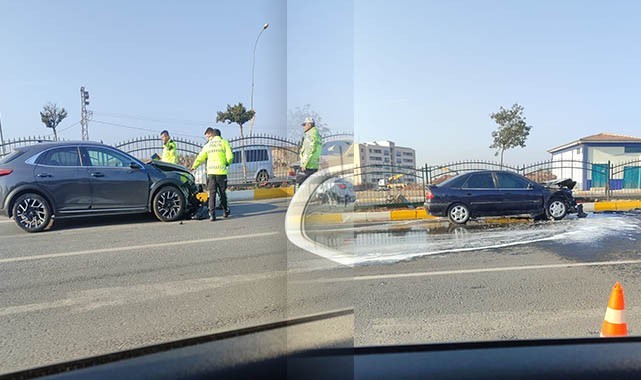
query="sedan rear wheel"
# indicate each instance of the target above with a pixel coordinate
(557, 209)
(32, 212)
(458, 213)
(169, 204)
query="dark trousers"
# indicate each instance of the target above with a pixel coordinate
(217, 184)
(302, 176)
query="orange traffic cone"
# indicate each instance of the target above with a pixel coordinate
(614, 323)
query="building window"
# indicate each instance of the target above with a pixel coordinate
(386, 159)
(386, 152)
(398, 154)
(398, 160)
(632, 149)
(377, 151)
(376, 158)
(408, 160)
(408, 154)
(370, 150)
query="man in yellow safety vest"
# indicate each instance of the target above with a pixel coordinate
(217, 152)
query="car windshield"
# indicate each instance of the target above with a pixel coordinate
(378, 157)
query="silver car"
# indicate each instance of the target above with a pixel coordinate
(336, 191)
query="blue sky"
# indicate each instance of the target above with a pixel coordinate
(429, 73)
(425, 74)
(166, 60)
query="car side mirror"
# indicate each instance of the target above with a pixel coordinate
(135, 165)
(530, 186)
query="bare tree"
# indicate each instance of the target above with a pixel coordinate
(51, 117)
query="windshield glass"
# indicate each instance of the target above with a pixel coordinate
(356, 155)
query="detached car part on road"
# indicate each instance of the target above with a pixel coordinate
(47, 181)
(500, 193)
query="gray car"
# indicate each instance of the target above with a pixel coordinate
(47, 181)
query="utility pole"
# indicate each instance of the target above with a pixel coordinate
(1, 138)
(84, 114)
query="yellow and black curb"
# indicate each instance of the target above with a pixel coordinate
(253, 195)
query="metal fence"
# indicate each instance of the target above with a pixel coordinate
(8, 146)
(258, 149)
(264, 153)
(600, 180)
(387, 185)
(338, 136)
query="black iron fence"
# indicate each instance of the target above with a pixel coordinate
(8, 146)
(594, 179)
(384, 184)
(268, 158)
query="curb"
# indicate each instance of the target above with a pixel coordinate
(252, 195)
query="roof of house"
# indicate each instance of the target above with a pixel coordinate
(598, 138)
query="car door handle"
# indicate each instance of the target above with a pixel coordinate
(44, 175)
(97, 174)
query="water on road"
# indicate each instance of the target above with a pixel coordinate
(586, 239)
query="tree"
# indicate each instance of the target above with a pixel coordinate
(512, 131)
(297, 116)
(237, 114)
(51, 117)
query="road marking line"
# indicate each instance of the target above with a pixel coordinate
(91, 299)
(133, 247)
(474, 271)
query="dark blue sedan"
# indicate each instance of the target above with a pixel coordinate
(497, 193)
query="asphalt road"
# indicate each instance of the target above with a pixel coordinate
(95, 286)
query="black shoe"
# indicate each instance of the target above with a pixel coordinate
(226, 214)
(212, 218)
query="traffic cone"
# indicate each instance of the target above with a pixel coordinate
(614, 323)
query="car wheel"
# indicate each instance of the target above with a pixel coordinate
(169, 204)
(557, 209)
(458, 213)
(262, 176)
(32, 212)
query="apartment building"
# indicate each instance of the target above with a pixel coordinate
(383, 159)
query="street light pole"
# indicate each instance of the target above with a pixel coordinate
(251, 101)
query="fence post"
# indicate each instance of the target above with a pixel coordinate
(608, 177)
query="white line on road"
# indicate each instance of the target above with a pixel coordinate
(133, 247)
(474, 271)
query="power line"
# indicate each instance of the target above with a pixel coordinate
(70, 126)
(140, 128)
(163, 121)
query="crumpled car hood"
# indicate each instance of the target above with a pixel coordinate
(166, 166)
(567, 182)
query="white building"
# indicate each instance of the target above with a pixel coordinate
(382, 159)
(589, 160)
